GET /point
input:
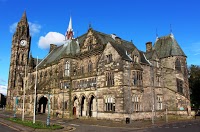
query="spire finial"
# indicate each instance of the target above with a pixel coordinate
(24, 18)
(156, 33)
(90, 25)
(170, 28)
(69, 33)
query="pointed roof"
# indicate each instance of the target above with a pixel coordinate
(70, 25)
(24, 17)
(167, 46)
(69, 33)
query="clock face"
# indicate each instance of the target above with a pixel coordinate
(23, 42)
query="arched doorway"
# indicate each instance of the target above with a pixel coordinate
(91, 106)
(42, 104)
(75, 106)
(74, 111)
(83, 106)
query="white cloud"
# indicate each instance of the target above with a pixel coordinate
(34, 28)
(51, 38)
(3, 89)
(13, 27)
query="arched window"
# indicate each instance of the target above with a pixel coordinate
(90, 66)
(178, 65)
(22, 59)
(109, 104)
(82, 69)
(67, 68)
(179, 85)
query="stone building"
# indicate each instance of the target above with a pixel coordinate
(99, 75)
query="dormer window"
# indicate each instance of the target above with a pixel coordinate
(109, 58)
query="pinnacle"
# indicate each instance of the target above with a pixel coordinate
(24, 18)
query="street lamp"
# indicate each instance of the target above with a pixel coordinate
(48, 115)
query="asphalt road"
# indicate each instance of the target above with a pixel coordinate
(6, 128)
(189, 126)
(83, 126)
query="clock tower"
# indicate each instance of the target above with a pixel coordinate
(21, 42)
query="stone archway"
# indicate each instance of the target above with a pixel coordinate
(83, 106)
(91, 105)
(42, 104)
(75, 106)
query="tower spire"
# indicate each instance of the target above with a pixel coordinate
(24, 17)
(69, 33)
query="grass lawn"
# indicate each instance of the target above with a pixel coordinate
(36, 125)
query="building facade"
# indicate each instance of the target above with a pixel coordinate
(99, 75)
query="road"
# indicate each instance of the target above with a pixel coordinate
(6, 128)
(103, 126)
(95, 128)
(189, 126)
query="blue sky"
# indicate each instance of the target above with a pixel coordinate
(135, 20)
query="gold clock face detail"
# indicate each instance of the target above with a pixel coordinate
(23, 42)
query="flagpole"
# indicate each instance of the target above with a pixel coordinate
(24, 94)
(35, 93)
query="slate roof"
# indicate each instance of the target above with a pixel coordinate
(143, 57)
(167, 46)
(105, 38)
(121, 51)
(71, 48)
(58, 52)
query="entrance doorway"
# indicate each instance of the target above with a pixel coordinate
(74, 111)
(82, 106)
(75, 105)
(42, 104)
(91, 105)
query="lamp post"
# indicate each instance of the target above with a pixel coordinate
(48, 115)
(34, 109)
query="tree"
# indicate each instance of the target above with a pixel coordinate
(194, 84)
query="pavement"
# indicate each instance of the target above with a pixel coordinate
(70, 124)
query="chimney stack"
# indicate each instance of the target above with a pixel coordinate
(52, 47)
(148, 46)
